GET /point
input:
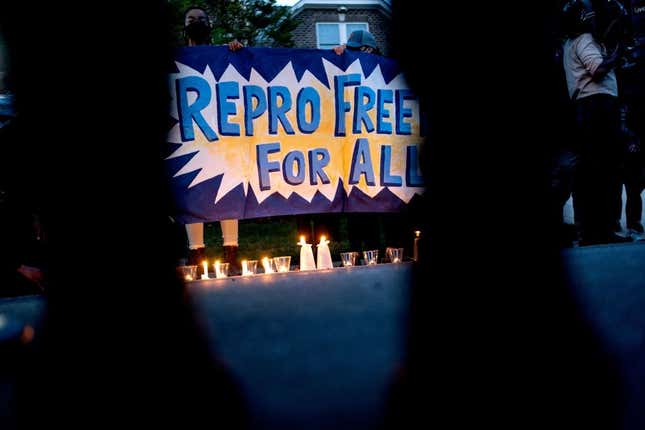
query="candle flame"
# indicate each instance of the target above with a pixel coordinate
(417, 233)
(302, 241)
(218, 270)
(267, 265)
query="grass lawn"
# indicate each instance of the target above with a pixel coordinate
(277, 236)
(270, 237)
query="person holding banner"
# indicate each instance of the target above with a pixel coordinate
(197, 31)
(327, 224)
(359, 40)
(368, 230)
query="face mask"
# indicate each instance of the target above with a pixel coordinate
(198, 31)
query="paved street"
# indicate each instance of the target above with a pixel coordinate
(317, 349)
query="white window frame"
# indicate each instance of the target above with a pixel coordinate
(342, 30)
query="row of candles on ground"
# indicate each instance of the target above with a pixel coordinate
(283, 263)
(249, 267)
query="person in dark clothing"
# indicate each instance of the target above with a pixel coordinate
(564, 156)
(593, 88)
(632, 91)
(361, 227)
(376, 230)
(197, 32)
(313, 226)
(632, 175)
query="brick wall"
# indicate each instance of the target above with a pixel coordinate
(305, 34)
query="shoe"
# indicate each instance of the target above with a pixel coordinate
(616, 238)
(636, 227)
(230, 257)
(612, 238)
(195, 258)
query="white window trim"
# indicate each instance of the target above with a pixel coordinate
(342, 30)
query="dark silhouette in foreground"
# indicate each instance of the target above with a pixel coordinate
(495, 339)
(119, 342)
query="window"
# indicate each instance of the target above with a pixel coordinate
(330, 34)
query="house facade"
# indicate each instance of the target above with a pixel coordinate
(324, 24)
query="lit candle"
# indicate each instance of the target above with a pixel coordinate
(218, 273)
(323, 256)
(245, 268)
(417, 234)
(267, 265)
(306, 255)
(282, 263)
(205, 274)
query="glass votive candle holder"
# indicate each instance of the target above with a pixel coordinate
(267, 264)
(348, 258)
(188, 273)
(249, 267)
(283, 263)
(220, 269)
(395, 255)
(371, 257)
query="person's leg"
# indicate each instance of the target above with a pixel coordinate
(230, 237)
(599, 183)
(636, 123)
(398, 231)
(562, 175)
(196, 247)
(614, 161)
(634, 208)
(326, 224)
(633, 189)
(304, 226)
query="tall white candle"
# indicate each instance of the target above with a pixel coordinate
(205, 274)
(323, 256)
(245, 269)
(306, 255)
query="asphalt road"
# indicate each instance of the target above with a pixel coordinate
(317, 349)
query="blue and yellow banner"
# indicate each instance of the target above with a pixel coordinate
(271, 131)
